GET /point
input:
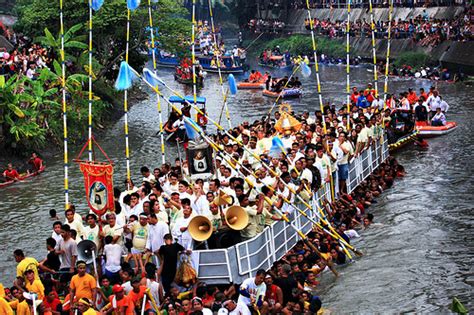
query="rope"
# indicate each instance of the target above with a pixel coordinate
(64, 106)
(158, 101)
(374, 54)
(90, 82)
(218, 62)
(387, 62)
(348, 71)
(316, 66)
(125, 101)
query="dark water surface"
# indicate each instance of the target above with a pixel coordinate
(417, 261)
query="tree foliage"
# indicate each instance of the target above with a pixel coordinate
(109, 27)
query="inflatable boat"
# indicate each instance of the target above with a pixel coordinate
(426, 130)
(251, 85)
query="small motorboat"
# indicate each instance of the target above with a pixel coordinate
(251, 85)
(286, 93)
(426, 130)
(23, 177)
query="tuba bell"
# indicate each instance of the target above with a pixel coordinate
(86, 251)
(200, 228)
(236, 218)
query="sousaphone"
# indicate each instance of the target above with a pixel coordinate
(200, 228)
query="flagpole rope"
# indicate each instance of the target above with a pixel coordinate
(158, 100)
(64, 107)
(218, 62)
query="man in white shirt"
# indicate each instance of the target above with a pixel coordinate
(252, 291)
(443, 105)
(147, 175)
(91, 231)
(156, 233)
(180, 230)
(113, 254)
(200, 205)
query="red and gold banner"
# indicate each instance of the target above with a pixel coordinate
(98, 181)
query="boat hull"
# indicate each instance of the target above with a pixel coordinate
(250, 86)
(427, 131)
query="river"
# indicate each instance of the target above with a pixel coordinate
(417, 261)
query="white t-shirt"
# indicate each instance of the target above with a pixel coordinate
(113, 254)
(254, 290)
(156, 233)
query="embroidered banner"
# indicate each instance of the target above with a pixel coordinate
(98, 181)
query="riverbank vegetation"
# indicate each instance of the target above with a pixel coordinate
(31, 108)
(412, 59)
(302, 45)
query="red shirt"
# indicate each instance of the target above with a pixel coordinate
(11, 174)
(37, 162)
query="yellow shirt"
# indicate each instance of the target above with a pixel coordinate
(90, 311)
(83, 286)
(36, 287)
(28, 263)
(5, 308)
(21, 308)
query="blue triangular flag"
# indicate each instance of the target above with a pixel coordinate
(305, 69)
(192, 129)
(276, 148)
(133, 4)
(96, 4)
(232, 84)
(151, 78)
(125, 77)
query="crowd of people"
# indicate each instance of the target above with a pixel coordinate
(145, 240)
(274, 26)
(301, 4)
(422, 29)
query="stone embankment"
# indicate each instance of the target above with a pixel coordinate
(457, 56)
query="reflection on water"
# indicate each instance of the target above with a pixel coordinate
(418, 260)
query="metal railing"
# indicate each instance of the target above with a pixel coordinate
(236, 263)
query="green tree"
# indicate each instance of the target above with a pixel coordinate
(109, 27)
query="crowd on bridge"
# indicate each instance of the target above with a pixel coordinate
(144, 244)
(423, 30)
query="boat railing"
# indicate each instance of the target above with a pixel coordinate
(238, 262)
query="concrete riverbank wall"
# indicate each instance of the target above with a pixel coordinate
(457, 56)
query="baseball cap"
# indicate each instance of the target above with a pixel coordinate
(117, 288)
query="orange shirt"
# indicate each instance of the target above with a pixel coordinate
(83, 286)
(137, 297)
(412, 98)
(121, 304)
